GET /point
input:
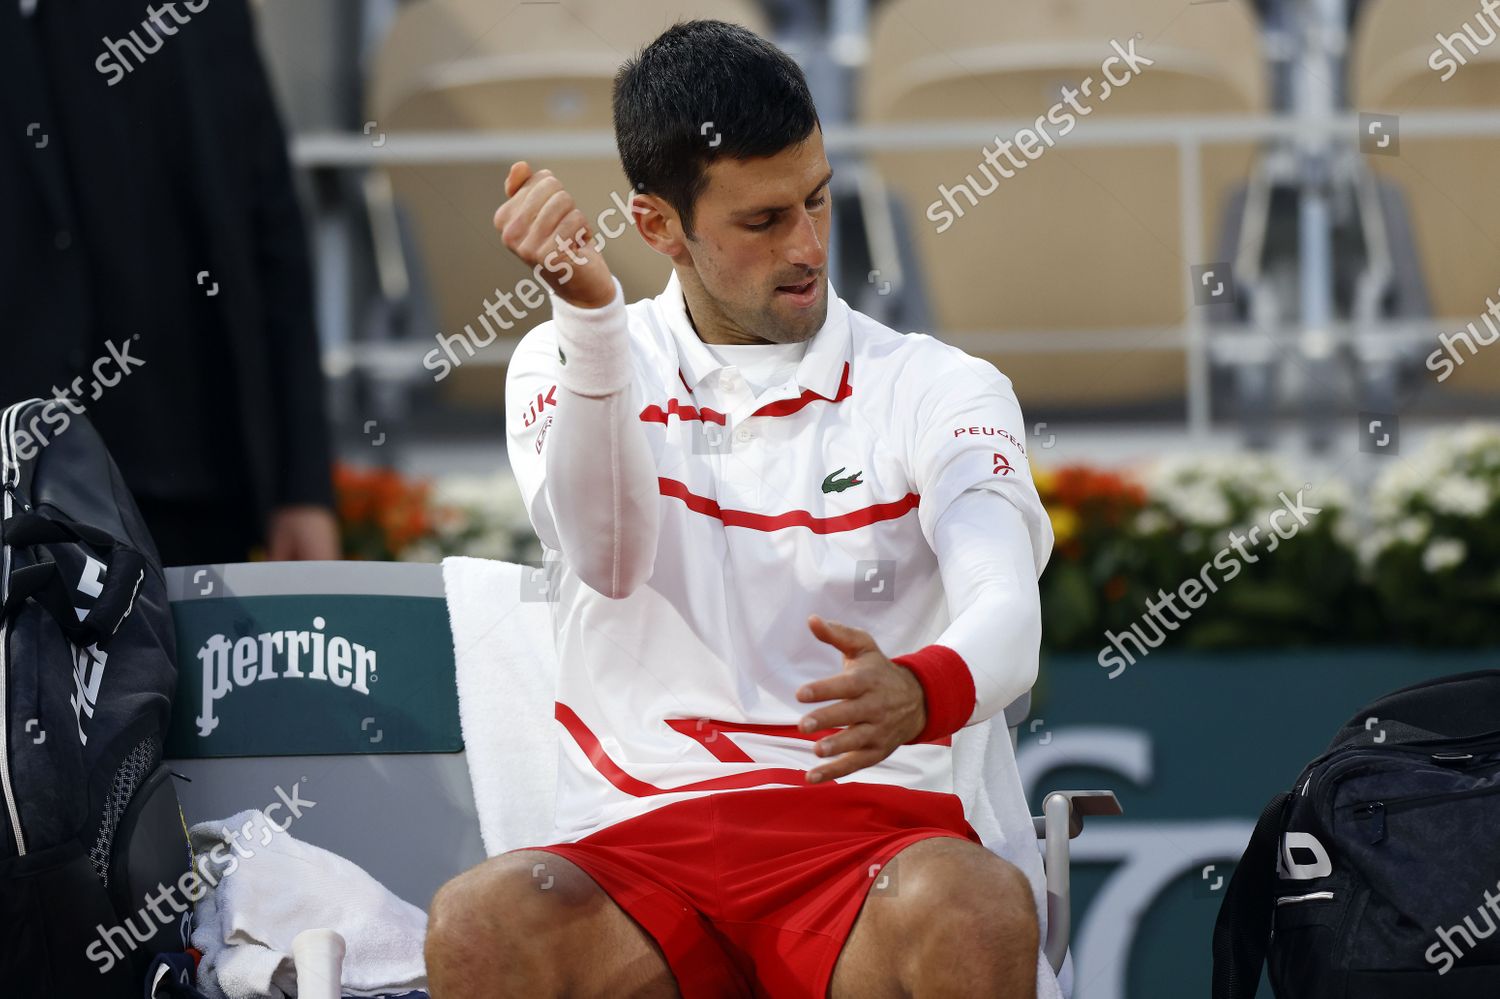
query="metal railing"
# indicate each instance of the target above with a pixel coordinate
(1190, 134)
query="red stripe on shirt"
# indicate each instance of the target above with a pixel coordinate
(792, 518)
(655, 414)
(785, 407)
(612, 772)
(706, 731)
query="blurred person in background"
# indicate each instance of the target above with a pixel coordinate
(154, 269)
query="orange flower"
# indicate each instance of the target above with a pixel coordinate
(380, 506)
(1081, 500)
(1078, 484)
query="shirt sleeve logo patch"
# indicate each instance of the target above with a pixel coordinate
(989, 432)
(535, 410)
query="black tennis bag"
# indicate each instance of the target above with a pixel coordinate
(1378, 874)
(89, 825)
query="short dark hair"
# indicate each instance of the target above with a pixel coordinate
(698, 72)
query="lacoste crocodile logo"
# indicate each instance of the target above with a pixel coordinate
(834, 484)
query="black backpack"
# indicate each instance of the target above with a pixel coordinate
(1378, 874)
(89, 822)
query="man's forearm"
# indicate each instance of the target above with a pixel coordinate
(601, 478)
(987, 656)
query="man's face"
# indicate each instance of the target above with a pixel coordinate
(761, 241)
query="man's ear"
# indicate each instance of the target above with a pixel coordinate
(658, 224)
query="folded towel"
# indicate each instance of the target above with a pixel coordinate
(270, 886)
(505, 652)
(173, 976)
(507, 667)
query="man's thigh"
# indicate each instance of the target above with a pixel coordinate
(948, 907)
(530, 918)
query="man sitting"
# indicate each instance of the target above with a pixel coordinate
(753, 493)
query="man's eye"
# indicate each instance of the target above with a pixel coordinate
(814, 203)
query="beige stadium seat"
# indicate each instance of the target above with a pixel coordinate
(1448, 183)
(477, 65)
(1086, 239)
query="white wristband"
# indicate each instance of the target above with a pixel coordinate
(593, 345)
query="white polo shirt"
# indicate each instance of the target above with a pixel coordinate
(820, 495)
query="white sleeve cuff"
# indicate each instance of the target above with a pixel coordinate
(593, 346)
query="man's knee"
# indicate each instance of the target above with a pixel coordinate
(508, 902)
(533, 923)
(964, 897)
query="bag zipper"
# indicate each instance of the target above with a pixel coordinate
(1315, 896)
(1376, 811)
(1337, 767)
(1423, 800)
(7, 429)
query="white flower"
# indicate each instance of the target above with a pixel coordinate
(1336, 499)
(510, 505)
(1443, 553)
(421, 551)
(1460, 496)
(1204, 488)
(493, 544)
(1150, 521)
(1199, 503)
(1332, 493)
(1347, 532)
(1401, 483)
(1413, 530)
(1476, 438)
(479, 515)
(1456, 473)
(1374, 544)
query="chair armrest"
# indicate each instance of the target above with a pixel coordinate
(1084, 803)
(1062, 819)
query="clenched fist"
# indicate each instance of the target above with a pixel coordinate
(541, 224)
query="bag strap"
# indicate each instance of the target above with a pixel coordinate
(43, 582)
(1243, 930)
(25, 530)
(1460, 706)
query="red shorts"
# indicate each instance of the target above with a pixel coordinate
(753, 893)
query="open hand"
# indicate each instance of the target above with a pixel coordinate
(881, 705)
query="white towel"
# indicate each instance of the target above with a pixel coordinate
(269, 887)
(507, 668)
(505, 652)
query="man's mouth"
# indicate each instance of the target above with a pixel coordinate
(802, 293)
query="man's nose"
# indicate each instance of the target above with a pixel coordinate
(805, 248)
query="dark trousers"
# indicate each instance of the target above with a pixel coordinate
(200, 532)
